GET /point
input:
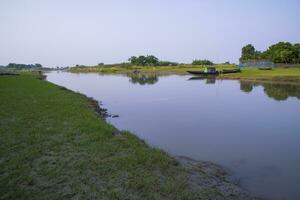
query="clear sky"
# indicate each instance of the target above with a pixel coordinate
(69, 32)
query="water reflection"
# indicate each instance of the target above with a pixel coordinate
(208, 79)
(143, 79)
(247, 86)
(276, 91)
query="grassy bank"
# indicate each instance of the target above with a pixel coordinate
(287, 75)
(53, 145)
(159, 70)
(291, 75)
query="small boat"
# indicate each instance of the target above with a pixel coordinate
(213, 71)
(203, 73)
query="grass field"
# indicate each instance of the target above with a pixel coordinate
(53, 145)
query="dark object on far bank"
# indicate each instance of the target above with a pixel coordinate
(213, 71)
(265, 68)
(8, 73)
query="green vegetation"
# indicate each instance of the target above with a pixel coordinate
(202, 62)
(282, 52)
(278, 92)
(148, 60)
(159, 70)
(54, 146)
(143, 79)
(23, 66)
(291, 75)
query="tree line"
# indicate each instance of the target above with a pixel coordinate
(150, 60)
(202, 62)
(282, 52)
(24, 66)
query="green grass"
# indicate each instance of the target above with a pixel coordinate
(276, 74)
(54, 146)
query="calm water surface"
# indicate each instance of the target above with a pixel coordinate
(251, 129)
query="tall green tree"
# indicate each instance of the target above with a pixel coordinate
(296, 49)
(280, 52)
(249, 53)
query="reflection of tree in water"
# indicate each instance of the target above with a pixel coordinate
(143, 79)
(279, 92)
(246, 86)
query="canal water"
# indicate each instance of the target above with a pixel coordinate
(252, 129)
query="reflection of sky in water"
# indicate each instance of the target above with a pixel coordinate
(237, 125)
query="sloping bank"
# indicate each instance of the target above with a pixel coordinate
(54, 145)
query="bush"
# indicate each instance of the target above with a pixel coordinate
(202, 62)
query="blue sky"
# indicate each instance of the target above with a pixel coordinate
(69, 32)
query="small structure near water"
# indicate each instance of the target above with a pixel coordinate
(212, 71)
(257, 64)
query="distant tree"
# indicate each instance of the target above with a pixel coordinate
(202, 62)
(100, 64)
(141, 60)
(249, 53)
(151, 60)
(23, 66)
(282, 52)
(133, 60)
(38, 65)
(297, 53)
(148, 60)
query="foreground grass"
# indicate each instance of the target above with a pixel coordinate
(54, 146)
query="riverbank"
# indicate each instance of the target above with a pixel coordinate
(280, 75)
(54, 145)
(283, 75)
(159, 70)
